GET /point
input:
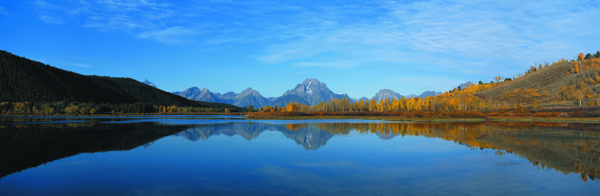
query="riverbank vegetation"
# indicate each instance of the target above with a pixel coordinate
(90, 108)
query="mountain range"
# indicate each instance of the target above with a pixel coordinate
(244, 99)
(310, 92)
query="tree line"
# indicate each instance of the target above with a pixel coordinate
(90, 108)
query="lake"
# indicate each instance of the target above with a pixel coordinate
(229, 155)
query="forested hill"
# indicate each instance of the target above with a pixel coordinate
(22, 79)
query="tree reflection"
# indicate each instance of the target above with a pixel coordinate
(564, 147)
(27, 146)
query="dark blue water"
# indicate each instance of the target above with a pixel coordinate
(228, 155)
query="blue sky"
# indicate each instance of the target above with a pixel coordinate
(356, 47)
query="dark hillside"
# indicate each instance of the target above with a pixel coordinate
(22, 79)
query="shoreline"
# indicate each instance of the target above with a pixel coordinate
(417, 119)
(383, 118)
(121, 115)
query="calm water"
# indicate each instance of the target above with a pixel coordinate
(228, 155)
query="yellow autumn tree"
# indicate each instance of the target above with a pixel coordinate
(372, 105)
(289, 107)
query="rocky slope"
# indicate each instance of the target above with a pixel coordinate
(311, 92)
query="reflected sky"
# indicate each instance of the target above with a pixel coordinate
(312, 157)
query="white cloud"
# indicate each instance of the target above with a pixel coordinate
(110, 14)
(117, 22)
(335, 64)
(221, 41)
(82, 65)
(293, 50)
(171, 35)
(456, 32)
(3, 11)
(367, 33)
(51, 20)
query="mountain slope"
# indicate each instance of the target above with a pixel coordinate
(228, 97)
(250, 97)
(428, 93)
(243, 99)
(386, 94)
(194, 93)
(549, 79)
(283, 100)
(22, 80)
(311, 91)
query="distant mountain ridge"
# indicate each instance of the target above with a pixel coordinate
(250, 97)
(310, 92)
(244, 99)
(389, 94)
(429, 93)
(386, 94)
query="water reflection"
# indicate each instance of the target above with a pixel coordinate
(309, 136)
(27, 146)
(564, 147)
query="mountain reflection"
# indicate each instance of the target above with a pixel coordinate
(565, 147)
(307, 135)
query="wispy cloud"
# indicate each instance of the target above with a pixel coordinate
(51, 20)
(448, 35)
(221, 41)
(334, 64)
(82, 65)
(171, 35)
(3, 11)
(405, 33)
(111, 15)
(45, 5)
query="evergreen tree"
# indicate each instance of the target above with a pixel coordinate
(25, 80)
